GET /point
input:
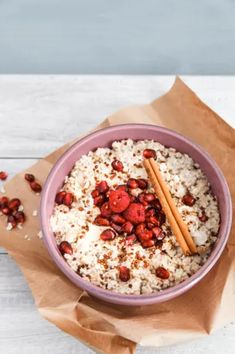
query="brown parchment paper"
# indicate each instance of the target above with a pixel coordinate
(116, 329)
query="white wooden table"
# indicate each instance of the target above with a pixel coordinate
(37, 115)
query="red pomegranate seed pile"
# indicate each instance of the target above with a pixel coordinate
(11, 208)
(137, 219)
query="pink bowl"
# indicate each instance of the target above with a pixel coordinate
(104, 138)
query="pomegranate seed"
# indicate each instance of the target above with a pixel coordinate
(132, 183)
(105, 210)
(116, 227)
(188, 199)
(95, 193)
(36, 187)
(135, 213)
(99, 200)
(153, 220)
(130, 240)
(140, 228)
(148, 153)
(3, 202)
(11, 219)
(150, 212)
(118, 219)
(142, 200)
(14, 203)
(102, 187)
(122, 187)
(65, 248)
(3, 175)
(117, 165)
(29, 177)
(145, 235)
(147, 244)
(99, 220)
(20, 217)
(162, 273)
(149, 197)
(156, 204)
(142, 183)
(6, 211)
(107, 235)
(124, 273)
(203, 217)
(158, 233)
(68, 199)
(59, 198)
(150, 226)
(127, 228)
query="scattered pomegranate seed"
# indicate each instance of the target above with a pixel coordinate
(11, 219)
(59, 198)
(105, 210)
(95, 193)
(132, 183)
(203, 217)
(6, 210)
(124, 273)
(3, 202)
(127, 228)
(188, 199)
(142, 183)
(130, 240)
(99, 220)
(162, 273)
(14, 203)
(145, 235)
(122, 187)
(35, 186)
(107, 235)
(148, 153)
(68, 199)
(118, 201)
(147, 244)
(158, 233)
(99, 200)
(116, 227)
(117, 165)
(102, 187)
(20, 217)
(118, 219)
(3, 175)
(135, 213)
(29, 177)
(65, 248)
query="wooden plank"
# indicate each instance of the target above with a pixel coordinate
(22, 330)
(40, 113)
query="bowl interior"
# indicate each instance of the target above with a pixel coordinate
(104, 138)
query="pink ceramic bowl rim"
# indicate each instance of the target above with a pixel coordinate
(118, 298)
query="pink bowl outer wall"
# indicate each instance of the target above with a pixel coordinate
(104, 138)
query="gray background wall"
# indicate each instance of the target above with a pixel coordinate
(117, 36)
